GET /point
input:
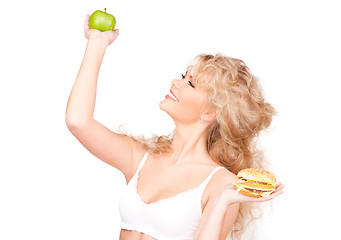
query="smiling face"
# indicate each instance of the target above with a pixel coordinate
(186, 101)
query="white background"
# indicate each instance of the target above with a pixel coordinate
(51, 187)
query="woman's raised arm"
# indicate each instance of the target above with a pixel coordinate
(81, 104)
(112, 148)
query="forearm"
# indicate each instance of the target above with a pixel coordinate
(214, 223)
(81, 103)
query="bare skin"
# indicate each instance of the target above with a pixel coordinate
(162, 176)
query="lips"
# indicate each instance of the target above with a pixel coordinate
(172, 96)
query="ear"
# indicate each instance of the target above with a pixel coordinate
(209, 116)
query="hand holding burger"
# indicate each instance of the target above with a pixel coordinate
(252, 185)
(254, 182)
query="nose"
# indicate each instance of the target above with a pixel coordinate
(177, 83)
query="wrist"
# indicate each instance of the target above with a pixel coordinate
(97, 42)
(221, 203)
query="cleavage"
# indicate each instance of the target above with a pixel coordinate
(158, 185)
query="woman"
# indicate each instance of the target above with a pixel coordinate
(179, 187)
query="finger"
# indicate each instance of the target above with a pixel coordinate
(271, 196)
(86, 22)
(275, 194)
(280, 186)
(86, 26)
(113, 34)
(116, 33)
(260, 199)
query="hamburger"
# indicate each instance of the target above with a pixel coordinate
(255, 182)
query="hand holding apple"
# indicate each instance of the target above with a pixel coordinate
(106, 37)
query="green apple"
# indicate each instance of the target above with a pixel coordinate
(102, 21)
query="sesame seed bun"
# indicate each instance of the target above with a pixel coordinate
(254, 182)
(258, 175)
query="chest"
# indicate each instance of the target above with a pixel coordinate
(176, 217)
(157, 182)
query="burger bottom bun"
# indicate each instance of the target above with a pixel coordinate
(247, 193)
(252, 194)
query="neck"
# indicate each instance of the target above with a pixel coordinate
(189, 142)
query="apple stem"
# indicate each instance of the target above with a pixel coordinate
(105, 9)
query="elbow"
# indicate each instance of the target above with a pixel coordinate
(73, 123)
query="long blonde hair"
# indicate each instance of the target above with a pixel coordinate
(242, 114)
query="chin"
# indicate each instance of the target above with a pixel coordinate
(163, 105)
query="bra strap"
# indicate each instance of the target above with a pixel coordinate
(205, 182)
(143, 160)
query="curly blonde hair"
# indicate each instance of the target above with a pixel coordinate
(241, 114)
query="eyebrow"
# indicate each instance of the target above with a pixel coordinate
(190, 76)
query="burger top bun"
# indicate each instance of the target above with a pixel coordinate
(258, 175)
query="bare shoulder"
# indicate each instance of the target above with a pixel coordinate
(221, 178)
(138, 151)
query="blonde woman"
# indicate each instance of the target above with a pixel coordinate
(179, 186)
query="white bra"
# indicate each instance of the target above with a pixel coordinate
(173, 218)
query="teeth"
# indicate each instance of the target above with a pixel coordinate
(173, 97)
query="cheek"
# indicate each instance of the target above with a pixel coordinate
(191, 107)
(193, 104)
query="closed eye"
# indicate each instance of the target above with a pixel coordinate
(191, 84)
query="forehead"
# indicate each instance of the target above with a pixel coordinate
(189, 75)
(197, 76)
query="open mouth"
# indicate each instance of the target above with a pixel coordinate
(172, 96)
